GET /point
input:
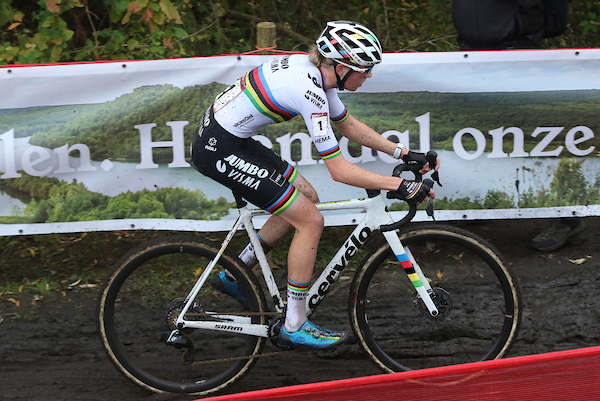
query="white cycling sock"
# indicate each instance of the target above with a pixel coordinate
(248, 256)
(296, 305)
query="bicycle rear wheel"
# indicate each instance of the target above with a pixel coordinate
(474, 290)
(139, 304)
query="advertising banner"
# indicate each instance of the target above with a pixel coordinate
(105, 146)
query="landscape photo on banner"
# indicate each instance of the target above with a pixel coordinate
(99, 146)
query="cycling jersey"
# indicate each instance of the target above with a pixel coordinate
(274, 92)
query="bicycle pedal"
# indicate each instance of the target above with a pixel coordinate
(275, 326)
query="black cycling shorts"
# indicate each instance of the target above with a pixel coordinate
(243, 165)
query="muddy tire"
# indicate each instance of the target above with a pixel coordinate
(140, 301)
(475, 291)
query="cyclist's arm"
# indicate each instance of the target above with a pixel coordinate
(362, 134)
(342, 170)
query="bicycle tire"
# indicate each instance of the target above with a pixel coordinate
(478, 298)
(140, 301)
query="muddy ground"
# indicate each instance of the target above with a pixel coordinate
(49, 348)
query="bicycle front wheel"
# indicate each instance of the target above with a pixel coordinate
(474, 290)
(139, 305)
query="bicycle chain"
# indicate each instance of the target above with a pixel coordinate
(237, 358)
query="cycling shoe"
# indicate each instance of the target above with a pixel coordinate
(310, 336)
(221, 283)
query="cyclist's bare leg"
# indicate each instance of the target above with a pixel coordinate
(308, 223)
(276, 228)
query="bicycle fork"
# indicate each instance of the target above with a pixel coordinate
(413, 271)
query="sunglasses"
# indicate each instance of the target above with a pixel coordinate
(357, 69)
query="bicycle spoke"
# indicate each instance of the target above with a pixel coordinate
(470, 289)
(141, 304)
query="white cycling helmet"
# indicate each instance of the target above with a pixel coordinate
(349, 43)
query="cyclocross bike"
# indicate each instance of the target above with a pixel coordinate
(432, 295)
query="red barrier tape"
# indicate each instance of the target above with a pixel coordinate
(565, 375)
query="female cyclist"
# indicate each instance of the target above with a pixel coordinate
(277, 91)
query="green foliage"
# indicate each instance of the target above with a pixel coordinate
(590, 24)
(498, 200)
(50, 31)
(568, 188)
(50, 200)
(44, 43)
(109, 130)
(74, 30)
(30, 186)
(27, 121)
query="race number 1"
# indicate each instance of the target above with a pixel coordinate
(319, 124)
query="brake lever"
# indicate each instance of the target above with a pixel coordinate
(431, 158)
(436, 177)
(429, 209)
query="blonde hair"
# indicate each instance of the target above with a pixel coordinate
(317, 58)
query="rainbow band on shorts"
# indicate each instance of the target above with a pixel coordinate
(290, 174)
(284, 201)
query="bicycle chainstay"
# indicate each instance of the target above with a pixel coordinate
(231, 359)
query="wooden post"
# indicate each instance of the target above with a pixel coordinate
(266, 36)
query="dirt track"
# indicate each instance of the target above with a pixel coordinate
(56, 355)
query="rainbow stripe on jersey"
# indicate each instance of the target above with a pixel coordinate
(331, 153)
(261, 97)
(341, 118)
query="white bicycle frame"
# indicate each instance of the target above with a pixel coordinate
(375, 216)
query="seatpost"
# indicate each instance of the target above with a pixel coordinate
(239, 201)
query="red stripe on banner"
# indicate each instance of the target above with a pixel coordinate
(124, 61)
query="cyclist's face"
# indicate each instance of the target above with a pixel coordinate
(356, 79)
